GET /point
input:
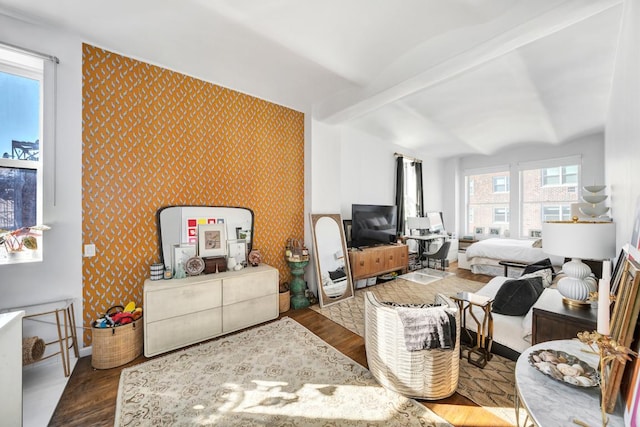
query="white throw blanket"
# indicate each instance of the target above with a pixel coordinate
(428, 328)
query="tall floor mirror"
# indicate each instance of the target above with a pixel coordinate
(332, 260)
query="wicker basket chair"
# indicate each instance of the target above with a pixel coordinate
(424, 374)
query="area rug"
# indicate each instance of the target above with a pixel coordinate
(492, 387)
(278, 374)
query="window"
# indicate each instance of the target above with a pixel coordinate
(556, 213)
(485, 191)
(500, 184)
(562, 175)
(21, 110)
(548, 190)
(501, 215)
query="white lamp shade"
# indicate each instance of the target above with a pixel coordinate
(582, 239)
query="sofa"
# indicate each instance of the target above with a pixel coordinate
(512, 331)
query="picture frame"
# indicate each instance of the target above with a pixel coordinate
(623, 320)
(238, 250)
(346, 223)
(536, 234)
(181, 253)
(212, 240)
(494, 231)
(478, 231)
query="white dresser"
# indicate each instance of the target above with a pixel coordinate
(180, 312)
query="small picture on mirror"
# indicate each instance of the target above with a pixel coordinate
(238, 250)
(242, 234)
(181, 253)
(212, 240)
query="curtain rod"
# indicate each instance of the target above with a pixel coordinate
(413, 159)
(18, 49)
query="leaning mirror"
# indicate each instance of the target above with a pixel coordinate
(332, 261)
(178, 225)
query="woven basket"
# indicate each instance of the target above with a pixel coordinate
(116, 346)
(32, 349)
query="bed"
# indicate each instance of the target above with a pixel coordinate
(484, 256)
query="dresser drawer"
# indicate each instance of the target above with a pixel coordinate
(181, 300)
(250, 312)
(169, 334)
(249, 286)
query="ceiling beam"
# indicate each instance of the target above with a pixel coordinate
(358, 102)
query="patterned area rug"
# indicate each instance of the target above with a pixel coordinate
(278, 374)
(492, 387)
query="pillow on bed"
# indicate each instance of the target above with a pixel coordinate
(515, 297)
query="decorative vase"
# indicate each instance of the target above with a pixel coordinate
(255, 258)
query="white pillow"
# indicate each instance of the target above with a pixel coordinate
(545, 273)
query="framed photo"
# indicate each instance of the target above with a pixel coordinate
(212, 240)
(536, 234)
(238, 250)
(494, 231)
(181, 253)
(479, 230)
(347, 230)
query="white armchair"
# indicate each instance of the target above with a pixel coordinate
(423, 374)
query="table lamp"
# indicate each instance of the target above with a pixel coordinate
(578, 240)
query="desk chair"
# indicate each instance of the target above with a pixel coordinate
(438, 257)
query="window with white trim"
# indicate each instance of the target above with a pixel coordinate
(485, 190)
(21, 118)
(548, 190)
(501, 215)
(501, 184)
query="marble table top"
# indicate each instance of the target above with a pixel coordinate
(552, 403)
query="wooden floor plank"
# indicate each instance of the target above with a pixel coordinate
(90, 395)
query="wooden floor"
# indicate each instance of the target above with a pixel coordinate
(90, 396)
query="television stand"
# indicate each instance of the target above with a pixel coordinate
(377, 260)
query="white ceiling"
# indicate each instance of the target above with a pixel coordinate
(450, 77)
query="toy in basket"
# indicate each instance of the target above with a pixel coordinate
(117, 337)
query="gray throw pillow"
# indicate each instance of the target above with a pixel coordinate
(515, 297)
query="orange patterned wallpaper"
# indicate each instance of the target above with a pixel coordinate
(153, 137)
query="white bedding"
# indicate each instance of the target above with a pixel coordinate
(518, 250)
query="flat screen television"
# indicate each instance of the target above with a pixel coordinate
(373, 225)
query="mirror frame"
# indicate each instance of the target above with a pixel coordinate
(216, 211)
(349, 292)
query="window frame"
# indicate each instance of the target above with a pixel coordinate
(30, 66)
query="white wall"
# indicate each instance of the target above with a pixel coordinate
(622, 148)
(589, 147)
(60, 273)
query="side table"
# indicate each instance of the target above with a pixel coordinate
(551, 403)
(65, 322)
(298, 299)
(552, 320)
(481, 346)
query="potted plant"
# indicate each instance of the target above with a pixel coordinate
(285, 297)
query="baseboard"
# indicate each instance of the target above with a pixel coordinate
(86, 351)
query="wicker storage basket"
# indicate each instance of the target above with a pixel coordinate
(116, 346)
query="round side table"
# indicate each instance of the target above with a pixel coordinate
(298, 299)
